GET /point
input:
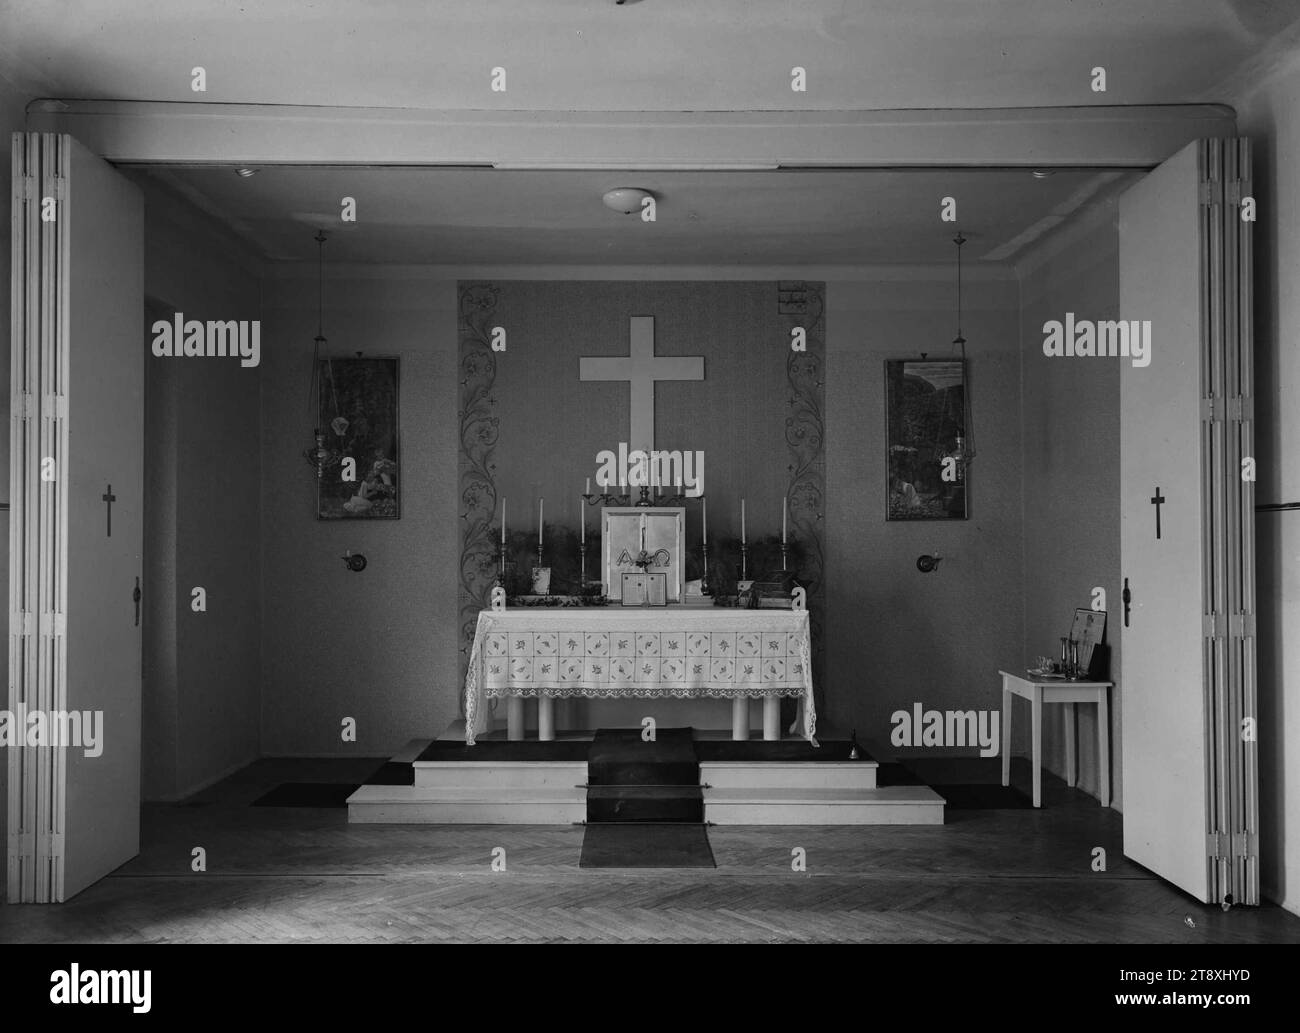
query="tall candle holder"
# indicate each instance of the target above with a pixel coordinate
(704, 578)
(744, 562)
(501, 566)
(582, 567)
(783, 554)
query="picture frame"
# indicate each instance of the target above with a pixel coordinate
(925, 430)
(359, 417)
(1089, 630)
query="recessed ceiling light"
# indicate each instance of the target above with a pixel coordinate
(245, 173)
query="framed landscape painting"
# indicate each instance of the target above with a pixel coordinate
(358, 416)
(925, 407)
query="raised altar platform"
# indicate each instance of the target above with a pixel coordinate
(499, 782)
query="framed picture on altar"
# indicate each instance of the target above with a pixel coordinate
(925, 435)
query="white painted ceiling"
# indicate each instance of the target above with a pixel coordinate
(644, 55)
(417, 216)
(651, 55)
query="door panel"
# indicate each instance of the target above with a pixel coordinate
(77, 404)
(1190, 772)
(1164, 739)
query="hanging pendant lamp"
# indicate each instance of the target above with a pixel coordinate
(964, 450)
(320, 455)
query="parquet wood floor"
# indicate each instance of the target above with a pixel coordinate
(296, 875)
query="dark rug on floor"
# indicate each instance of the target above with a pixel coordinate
(392, 773)
(646, 846)
(308, 794)
(982, 797)
(892, 773)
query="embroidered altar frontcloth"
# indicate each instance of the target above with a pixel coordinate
(638, 653)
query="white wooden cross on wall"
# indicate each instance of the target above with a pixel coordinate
(642, 368)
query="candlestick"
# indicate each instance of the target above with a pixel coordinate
(742, 521)
(582, 513)
(784, 506)
(588, 491)
(704, 521)
(503, 520)
(705, 588)
(539, 524)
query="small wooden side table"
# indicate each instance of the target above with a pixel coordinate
(1039, 691)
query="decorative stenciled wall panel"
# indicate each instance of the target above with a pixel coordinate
(530, 428)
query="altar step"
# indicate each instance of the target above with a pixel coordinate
(462, 805)
(735, 792)
(895, 805)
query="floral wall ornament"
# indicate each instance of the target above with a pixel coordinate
(480, 429)
(805, 429)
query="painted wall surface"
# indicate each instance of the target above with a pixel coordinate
(378, 646)
(1269, 113)
(202, 515)
(897, 637)
(1071, 474)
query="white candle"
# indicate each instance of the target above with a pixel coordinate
(704, 522)
(503, 520)
(742, 521)
(582, 513)
(588, 491)
(539, 522)
(784, 502)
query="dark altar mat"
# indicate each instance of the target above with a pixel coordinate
(489, 750)
(619, 756)
(830, 751)
(644, 845)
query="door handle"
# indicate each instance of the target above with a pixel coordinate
(1128, 598)
(135, 598)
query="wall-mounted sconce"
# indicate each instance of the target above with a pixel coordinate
(355, 561)
(928, 564)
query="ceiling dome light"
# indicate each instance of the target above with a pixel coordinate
(245, 173)
(1042, 173)
(626, 199)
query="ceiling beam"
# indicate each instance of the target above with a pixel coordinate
(188, 133)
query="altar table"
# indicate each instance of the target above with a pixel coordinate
(641, 653)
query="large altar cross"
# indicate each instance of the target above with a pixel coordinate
(642, 368)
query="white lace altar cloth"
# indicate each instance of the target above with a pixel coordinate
(638, 653)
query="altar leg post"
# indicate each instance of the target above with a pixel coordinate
(771, 718)
(515, 718)
(740, 718)
(545, 719)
